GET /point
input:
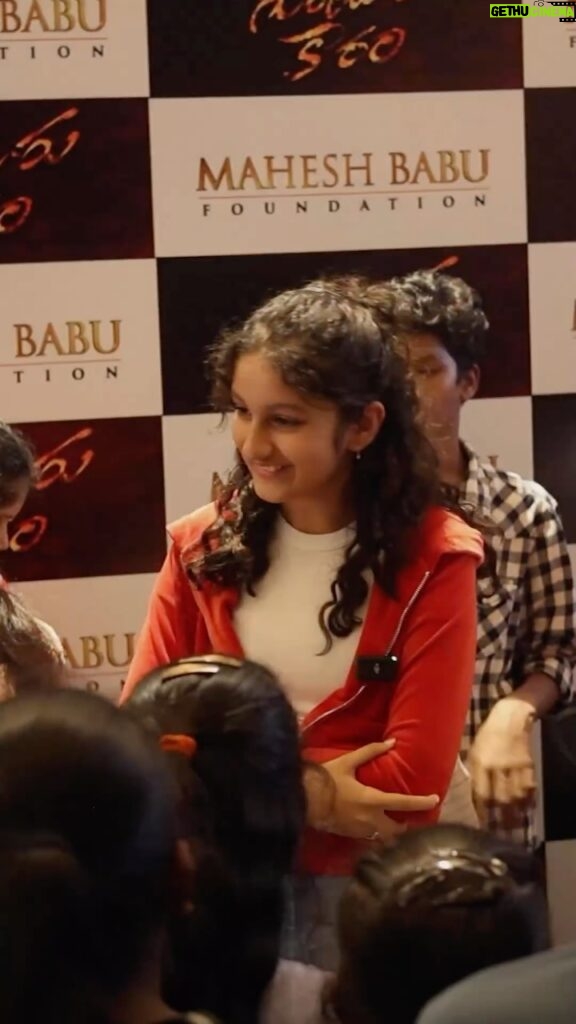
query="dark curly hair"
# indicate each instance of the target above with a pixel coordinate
(328, 339)
(446, 306)
(242, 807)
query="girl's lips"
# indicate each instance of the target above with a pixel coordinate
(267, 471)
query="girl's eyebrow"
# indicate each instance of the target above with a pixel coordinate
(294, 406)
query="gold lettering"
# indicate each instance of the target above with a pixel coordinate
(98, 346)
(79, 340)
(24, 340)
(51, 338)
(423, 167)
(76, 337)
(9, 20)
(66, 16)
(484, 165)
(448, 170)
(399, 167)
(206, 175)
(249, 174)
(83, 21)
(35, 14)
(365, 167)
(330, 164)
(92, 656)
(63, 20)
(273, 169)
(97, 651)
(110, 652)
(308, 171)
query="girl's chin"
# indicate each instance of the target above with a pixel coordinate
(273, 490)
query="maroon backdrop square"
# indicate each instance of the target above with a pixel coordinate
(554, 425)
(199, 49)
(198, 296)
(75, 180)
(551, 163)
(99, 506)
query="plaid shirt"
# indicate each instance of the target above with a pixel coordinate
(527, 624)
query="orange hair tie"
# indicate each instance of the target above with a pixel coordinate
(179, 744)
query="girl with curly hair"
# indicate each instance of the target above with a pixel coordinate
(330, 558)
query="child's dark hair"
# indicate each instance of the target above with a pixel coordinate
(326, 340)
(87, 838)
(16, 462)
(28, 657)
(444, 903)
(427, 301)
(242, 806)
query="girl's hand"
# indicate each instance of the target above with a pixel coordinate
(342, 805)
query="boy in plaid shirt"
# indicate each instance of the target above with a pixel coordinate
(526, 638)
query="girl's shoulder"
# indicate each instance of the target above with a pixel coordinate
(442, 532)
(187, 531)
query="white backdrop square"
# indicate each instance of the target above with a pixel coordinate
(79, 340)
(552, 289)
(50, 50)
(98, 620)
(337, 172)
(500, 429)
(195, 447)
(549, 52)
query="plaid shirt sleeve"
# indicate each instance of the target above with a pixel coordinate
(551, 641)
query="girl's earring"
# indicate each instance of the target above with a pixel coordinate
(358, 456)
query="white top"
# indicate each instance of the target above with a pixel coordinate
(279, 627)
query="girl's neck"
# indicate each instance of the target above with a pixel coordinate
(320, 516)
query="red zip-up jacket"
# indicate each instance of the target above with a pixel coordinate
(430, 627)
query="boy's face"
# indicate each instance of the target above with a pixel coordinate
(441, 390)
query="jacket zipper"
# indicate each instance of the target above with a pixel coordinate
(388, 651)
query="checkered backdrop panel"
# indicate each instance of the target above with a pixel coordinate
(162, 169)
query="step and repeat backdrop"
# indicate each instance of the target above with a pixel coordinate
(166, 165)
